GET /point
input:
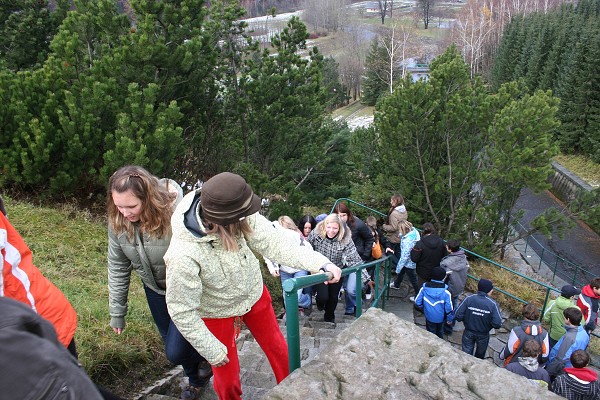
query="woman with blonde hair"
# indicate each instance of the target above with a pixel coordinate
(214, 280)
(284, 272)
(409, 235)
(139, 209)
(333, 238)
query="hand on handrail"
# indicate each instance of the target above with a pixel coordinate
(333, 272)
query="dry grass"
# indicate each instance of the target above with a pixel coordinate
(581, 166)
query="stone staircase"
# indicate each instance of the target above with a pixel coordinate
(256, 375)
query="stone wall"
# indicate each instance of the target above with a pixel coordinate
(381, 356)
(565, 184)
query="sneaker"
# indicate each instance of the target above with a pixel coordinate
(341, 294)
(412, 298)
(368, 296)
(300, 312)
(393, 286)
(190, 393)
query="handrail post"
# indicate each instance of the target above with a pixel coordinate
(291, 323)
(545, 302)
(541, 258)
(358, 275)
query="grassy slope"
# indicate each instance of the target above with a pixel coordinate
(69, 247)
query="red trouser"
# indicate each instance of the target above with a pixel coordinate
(263, 325)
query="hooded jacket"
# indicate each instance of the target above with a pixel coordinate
(456, 267)
(206, 281)
(435, 300)
(518, 335)
(140, 253)
(555, 318)
(577, 383)
(407, 242)
(589, 302)
(22, 281)
(529, 367)
(576, 338)
(427, 254)
(392, 228)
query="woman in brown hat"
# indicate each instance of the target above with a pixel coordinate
(214, 280)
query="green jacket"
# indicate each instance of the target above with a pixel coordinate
(206, 281)
(142, 254)
(554, 317)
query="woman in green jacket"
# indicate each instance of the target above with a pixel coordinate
(139, 232)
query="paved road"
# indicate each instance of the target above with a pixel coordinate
(580, 246)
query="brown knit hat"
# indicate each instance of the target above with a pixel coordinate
(226, 198)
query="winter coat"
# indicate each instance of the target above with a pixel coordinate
(140, 253)
(295, 237)
(479, 312)
(33, 363)
(392, 228)
(206, 281)
(577, 384)
(528, 330)
(456, 267)
(362, 238)
(341, 252)
(529, 367)
(555, 318)
(21, 280)
(576, 338)
(588, 303)
(406, 244)
(436, 302)
(427, 254)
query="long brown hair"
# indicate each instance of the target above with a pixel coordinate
(157, 202)
(229, 233)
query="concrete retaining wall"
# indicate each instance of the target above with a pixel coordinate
(566, 184)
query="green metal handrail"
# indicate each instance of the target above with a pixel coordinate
(292, 285)
(588, 275)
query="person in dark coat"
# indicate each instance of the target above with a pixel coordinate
(33, 363)
(428, 252)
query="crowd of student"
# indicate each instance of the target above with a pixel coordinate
(197, 258)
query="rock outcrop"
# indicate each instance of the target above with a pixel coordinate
(381, 356)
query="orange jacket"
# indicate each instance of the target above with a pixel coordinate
(22, 281)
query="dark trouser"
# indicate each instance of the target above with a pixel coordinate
(436, 328)
(412, 277)
(327, 297)
(471, 339)
(396, 256)
(177, 349)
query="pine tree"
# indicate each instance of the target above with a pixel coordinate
(374, 83)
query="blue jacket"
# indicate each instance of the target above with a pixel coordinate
(436, 302)
(576, 338)
(479, 312)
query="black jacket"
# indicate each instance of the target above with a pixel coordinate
(479, 312)
(362, 238)
(33, 363)
(427, 254)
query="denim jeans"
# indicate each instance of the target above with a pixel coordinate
(349, 285)
(472, 339)
(177, 348)
(304, 299)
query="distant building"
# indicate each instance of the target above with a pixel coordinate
(418, 72)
